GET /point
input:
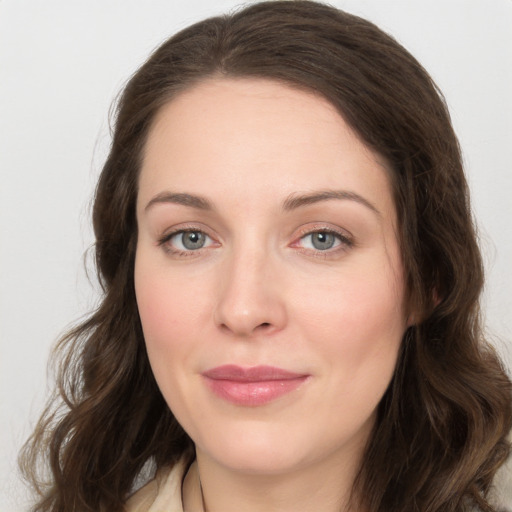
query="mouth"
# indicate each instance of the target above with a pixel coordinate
(254, 386)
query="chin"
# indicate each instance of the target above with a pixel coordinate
(269, 461)
(253, 450)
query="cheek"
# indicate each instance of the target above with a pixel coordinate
(157, 306)
(168, 310)
(358, 321)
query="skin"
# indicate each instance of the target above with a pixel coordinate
(260, 292)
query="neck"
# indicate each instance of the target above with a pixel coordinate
(324, 485)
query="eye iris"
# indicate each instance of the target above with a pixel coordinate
(322, 240)
(193, 239)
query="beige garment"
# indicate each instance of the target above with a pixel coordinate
(163, 494)
(501, 494)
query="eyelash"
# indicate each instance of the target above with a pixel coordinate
(345, 242)
(163, 241)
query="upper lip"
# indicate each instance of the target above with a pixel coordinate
(251, 374)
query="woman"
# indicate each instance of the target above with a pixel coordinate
(291, 277)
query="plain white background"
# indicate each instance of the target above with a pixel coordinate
(61, 65)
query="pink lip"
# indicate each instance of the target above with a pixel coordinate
(253, 386)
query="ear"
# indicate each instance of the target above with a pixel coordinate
(436, 299)
(414, 309)
(414, 317)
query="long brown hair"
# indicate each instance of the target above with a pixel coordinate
(442, 424)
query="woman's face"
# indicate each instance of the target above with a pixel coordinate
(268, 275)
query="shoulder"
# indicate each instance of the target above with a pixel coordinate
(163, 490)
(142, 499)
(501, 493)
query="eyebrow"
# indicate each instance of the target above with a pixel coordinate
(291, 203)
(298, 201)
(193, 201)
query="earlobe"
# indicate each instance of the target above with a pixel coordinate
(415, 318)
(436, 298)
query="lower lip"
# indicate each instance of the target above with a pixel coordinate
(252, 394)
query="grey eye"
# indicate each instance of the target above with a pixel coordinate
(186, 241)
(322, 240)
(192, 240)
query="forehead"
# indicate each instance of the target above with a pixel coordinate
(232, 108)
(255, 136)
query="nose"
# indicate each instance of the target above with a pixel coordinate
(250, 299)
